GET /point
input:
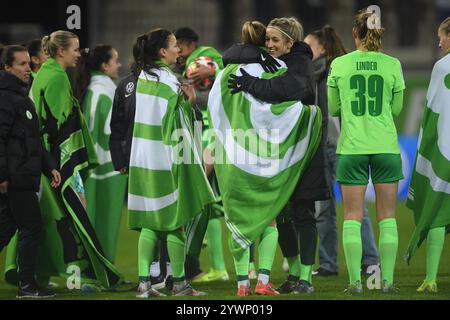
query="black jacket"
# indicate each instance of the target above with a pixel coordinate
(122, 121)
(22, 157)
(320, 77)
(297, 83)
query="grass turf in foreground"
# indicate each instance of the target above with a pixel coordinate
(407, 278)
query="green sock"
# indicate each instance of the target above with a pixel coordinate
(294, 265)
(146, 250)
(175, 248)
(267, 248)
(435, 243)
(240, 257)
(306, 272)
(215, 248)
(351, 237)
(388, 245)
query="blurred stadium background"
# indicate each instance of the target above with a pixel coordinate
(411, 28)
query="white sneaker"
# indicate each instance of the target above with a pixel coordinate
(145, 290)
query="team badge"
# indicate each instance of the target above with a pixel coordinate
(129, 88)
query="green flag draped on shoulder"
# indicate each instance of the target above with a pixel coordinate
(105, 187)
(167, 183)
(261, 151)
(69, 235)
(429, 190)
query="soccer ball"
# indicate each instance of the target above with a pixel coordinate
(202, 61)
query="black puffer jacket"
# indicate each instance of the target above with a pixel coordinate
(22, 157)
(297, 83)
(122, 121)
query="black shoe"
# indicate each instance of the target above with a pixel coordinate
(169, 283)
(364, 269)
(33, 291)
(324, 273)
(158, 282)
(304, 286)
(287, 287)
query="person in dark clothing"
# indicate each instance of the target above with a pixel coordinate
(22, 159)
(122, 117)
(122, 120)
(122, 124)
(37, 57)
(297, 221)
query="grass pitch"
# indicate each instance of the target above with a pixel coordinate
(407, 278)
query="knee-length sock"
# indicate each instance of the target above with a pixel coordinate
(146, 251)
(351, 238)
(435, 243)
(176, 249)
(388, 245)
(215, 248)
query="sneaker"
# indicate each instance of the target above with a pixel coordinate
(365, 269)
(430, 287)
(244, 291)
(321, 272)
(196, 278)
(31, 290)
(304, 286)
(145, 290)
(212, 275)
(389, 288)
(187, 290)
(158, 282)
(89, 288)
(354, 289)
(252, 274)
(169, 283)
(287, 287)
(265, 289)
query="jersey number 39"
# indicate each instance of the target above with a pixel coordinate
(373, 86)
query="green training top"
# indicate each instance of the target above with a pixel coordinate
(368, 87)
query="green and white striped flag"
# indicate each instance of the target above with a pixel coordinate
(105, 187)
(429, 190)
(260, 152)
(167, 183)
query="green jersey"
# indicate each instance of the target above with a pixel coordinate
(366, 83)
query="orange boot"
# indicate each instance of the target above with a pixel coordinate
(265, 289)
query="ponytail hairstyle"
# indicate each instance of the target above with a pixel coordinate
(290, 28)
(56, 40)
(254, 32)
(7, 55)
(445, 26)
(370, 37)
(34, 49)
(331, 43)
(146, 50)
(90, 60)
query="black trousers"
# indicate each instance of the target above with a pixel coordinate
(297, 231)
(19, 210)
